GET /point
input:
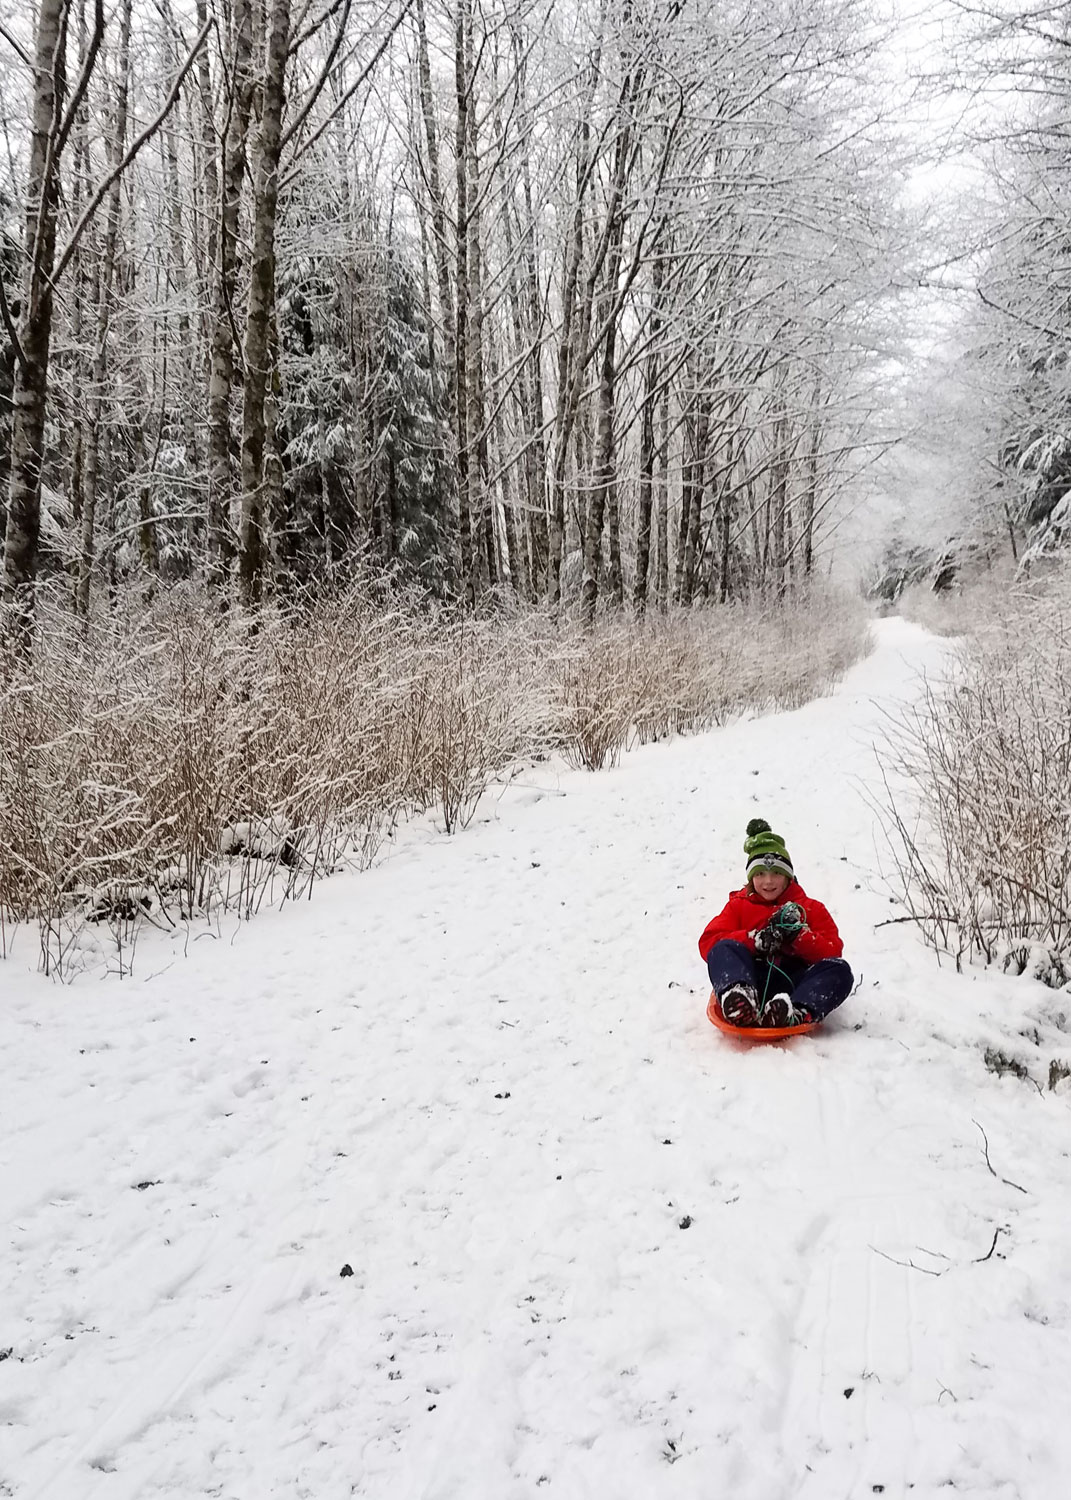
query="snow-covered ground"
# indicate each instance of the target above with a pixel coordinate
(597, 1248)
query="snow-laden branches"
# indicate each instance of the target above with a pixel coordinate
(532, 299)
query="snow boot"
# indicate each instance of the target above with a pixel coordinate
(739, 1005)
(779, 1011)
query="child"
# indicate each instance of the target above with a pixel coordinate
(774, 953)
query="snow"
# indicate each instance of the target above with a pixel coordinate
(481, 1077)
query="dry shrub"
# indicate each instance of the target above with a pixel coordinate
(165, 762)
(964, 609)
(695, 669)
(979, 793)
(464, 710)
(181, 761)
(602, 683)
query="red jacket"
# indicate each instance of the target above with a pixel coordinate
(745, 913)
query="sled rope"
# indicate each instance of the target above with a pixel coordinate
(770, 966)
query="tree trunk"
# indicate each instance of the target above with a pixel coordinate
(810, 486)
(23, 528)
(604, 476)
(82, 298)
(604, 464)
(260, 314)
(583, 470)
(464, 369)
(569, 379)
(150, 557)
(647, 443)
(778, 502)
(221, 357)
(520, 576)
(514, 559)
(725, 523)
(615, 582)
(758, 548)
(695, 512)
(179, 287)
(685, 518)
(210, 202)
(276, 576)
(116, 145)
(482, 502)
(7, 391)
(536, 455)
(662, 505)
(446, 299)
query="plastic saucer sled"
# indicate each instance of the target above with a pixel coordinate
(754, 1033)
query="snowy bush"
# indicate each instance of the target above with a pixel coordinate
(695, 669)
(968, 606)
(465, 707)
(601, 688)
(165, 762)
(979, 775)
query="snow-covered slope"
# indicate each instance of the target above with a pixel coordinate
(597, 1249)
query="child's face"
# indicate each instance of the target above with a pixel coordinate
(768, 884)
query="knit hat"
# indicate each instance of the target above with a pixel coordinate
(766, 850)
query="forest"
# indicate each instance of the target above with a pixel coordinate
(548, 301)
(510, 364)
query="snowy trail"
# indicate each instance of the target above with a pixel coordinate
(481, 1076)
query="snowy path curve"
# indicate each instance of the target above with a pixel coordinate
(597, 1249)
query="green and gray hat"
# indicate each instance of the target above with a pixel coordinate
(766, 850)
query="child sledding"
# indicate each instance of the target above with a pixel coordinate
(774, 953)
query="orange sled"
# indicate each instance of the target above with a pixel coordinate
(754, 1033)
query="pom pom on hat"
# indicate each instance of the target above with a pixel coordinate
(766, 850)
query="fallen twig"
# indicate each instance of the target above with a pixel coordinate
(910, 1264)
(989, 1164)
(996, 1235)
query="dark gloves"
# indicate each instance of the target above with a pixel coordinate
(789, 921)
(768, 941)
(781, 930)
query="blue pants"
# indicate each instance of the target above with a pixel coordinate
(816, 988)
